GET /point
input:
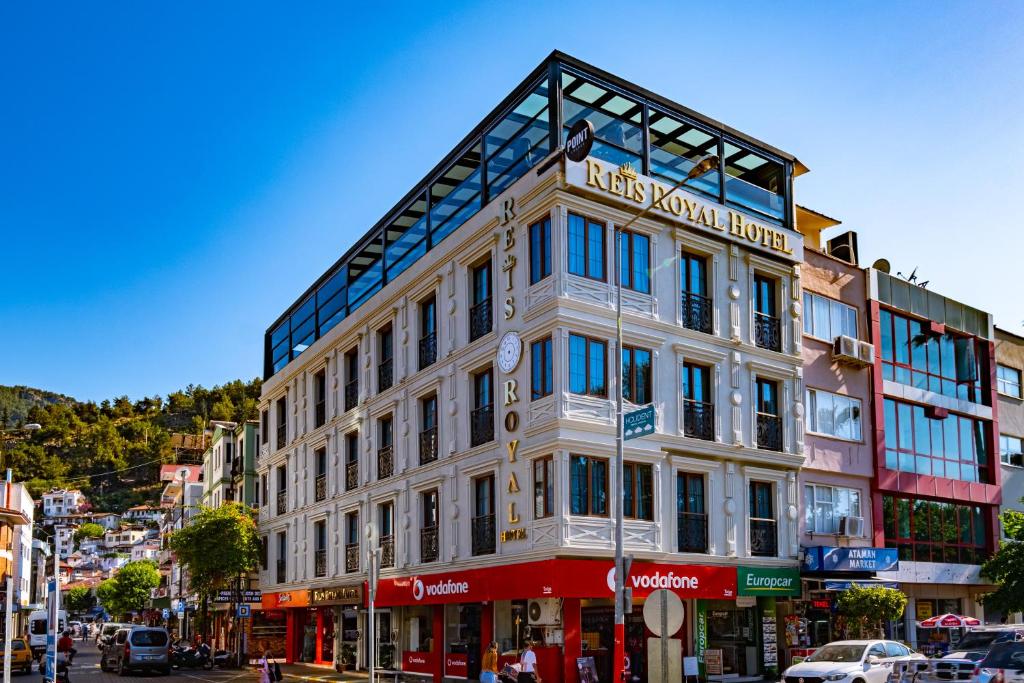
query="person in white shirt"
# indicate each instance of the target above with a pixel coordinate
(528, 664)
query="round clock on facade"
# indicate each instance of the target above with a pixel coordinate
(510, 349)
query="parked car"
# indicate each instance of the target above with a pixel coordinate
(107, 632)
(39, 627)
(851, 661)
(977, 642)
(1004, 663)
(21, 655)
(137, 648)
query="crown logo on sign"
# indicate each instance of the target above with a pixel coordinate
(627, 171)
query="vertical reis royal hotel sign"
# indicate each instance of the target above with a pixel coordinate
(624, 185)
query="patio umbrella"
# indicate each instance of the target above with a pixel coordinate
(949, 621)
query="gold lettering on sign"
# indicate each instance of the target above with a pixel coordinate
(518, 534)
(510, 392)
(511, 421)
(512, 447)
(510, 238)
(513, 517)
(507, 266)
(508, 210)
(513, 483)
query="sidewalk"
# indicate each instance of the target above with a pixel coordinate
(311, 672)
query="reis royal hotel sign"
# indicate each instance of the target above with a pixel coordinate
(624, 185)
(555, 578)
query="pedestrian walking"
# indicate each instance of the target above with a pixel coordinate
(266, 672)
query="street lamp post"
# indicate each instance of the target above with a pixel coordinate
(706, 164)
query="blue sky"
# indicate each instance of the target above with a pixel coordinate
(174, 175)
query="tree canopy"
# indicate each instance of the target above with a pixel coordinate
(129, 589)
(219, 544)
(867, 608)
(1006, 567)
(89, 530)
(79, 599)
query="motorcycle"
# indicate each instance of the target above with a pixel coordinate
(62, 668)
(223, 659)
(191, 658)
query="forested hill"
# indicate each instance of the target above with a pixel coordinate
(112, 450)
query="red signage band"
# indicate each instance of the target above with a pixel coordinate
(456, 665)
(418, 662)
(561, 578)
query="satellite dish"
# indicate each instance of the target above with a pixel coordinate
(882, 265)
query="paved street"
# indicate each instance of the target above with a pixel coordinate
(87, 670)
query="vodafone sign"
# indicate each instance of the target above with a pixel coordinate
(556, 578)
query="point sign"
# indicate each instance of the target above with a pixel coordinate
(638, 423)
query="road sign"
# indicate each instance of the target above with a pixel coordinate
(638, 423)
(165, 614)
(244, 611)
(230, 595)
(663, 612)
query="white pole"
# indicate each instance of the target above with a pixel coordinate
(371, 629)
(56, 606)
(8, 629)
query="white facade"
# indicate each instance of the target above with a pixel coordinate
(62, 502)
(65, 540)
(217, 463)
(21, 545)
(560, 426)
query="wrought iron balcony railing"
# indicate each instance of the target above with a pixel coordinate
(351, 475)
(281, 437)
(699, 419)
(352, 557)
(428, 445)
(385, 462)
(767, 332)
(764, 539)
(351, 394)
(428, 350)
(481, 425)
(693, 532)
(320, 413)
(483, 540)
(769, 432)
(385, 375)
(480, 319)
(282, 502)
(387, 551)
(321, 487)
(320, 563)
(428, 544)
(697, 312)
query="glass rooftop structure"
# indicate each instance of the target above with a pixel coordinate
(660, 138)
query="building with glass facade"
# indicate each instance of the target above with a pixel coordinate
(445, 397)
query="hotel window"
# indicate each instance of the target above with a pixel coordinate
(543, 487)
(676, 147)
(351, 541)
(540, 250)
(698, 409)
(282, 421)
(635, 261)
(767, 327)
(754, 182)
(636, 375)
(480, 312)
(1008, 381)
(428, 429)
(637, 491)
(386, 533)
(482, 418)
(618, 120)
(483, 528)
(319, 398)
(282, 557)
(587, 366)
(264, 552)
(351, 379)
(351, 461)
(264, 426)
(405, 238)
(455, 196)
(769, 423)
(763, 532)
(588, 486)
(697, 312)
(586, 247)
(833, 415)
(1011, 450)
(385, 364)
(262, 493)
(320, 548)
(320, 483)
(428, 332)
(946, 364)
(826, 318)
(541, 375)
(428, 526)
(930, 531)
(824, 506)
(385, 447)
(953, 447)
(519, 141)
(692, 518)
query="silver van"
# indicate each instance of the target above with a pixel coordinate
(138, 648)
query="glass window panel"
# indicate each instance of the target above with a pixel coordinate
(577, 246)
(616, 119)
(641, 279)
(405, 233)
(891, 460)
(966, 442)
(595, 250)
(901, 340)
(821, 318)
(809, 508)
(597, 366)
(906, 463)
(885, 322)
(808, 313)
(850, 321)
(455, 196)
(577, 364)
(918, 353)
(598, 487)
(676, 147)
(754, 182)
(903, 517)
(906, 426)
(922, 434)
(826, 413)
(579, 485)
(518, 142)
(890, 423)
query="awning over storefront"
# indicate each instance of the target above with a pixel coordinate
(561, 578)
(777, 581)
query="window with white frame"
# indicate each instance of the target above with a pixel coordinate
(826, 318)
(833, 415)
(824, 506)
(1008, 381)
(1011, 450)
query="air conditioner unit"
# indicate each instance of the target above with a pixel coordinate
(847, 350)
(544, 612)
(866, 352)
(851, 526)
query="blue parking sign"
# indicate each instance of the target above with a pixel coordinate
(244, 611)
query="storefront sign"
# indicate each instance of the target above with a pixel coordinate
(580, 140)
(626, 185)
(769, 634)
(517, 534)
(638, 423)
(923, 609)
(562, 578)
(702, 631)
(713, 662)
(768, 581)
(351, 594)
(284, 599)
(231, 595)
(456, 665)
(845, 585)
(418, 662)
(830, 559)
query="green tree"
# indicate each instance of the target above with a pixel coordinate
(867, 609)
(89, 530)
(130, 587)
(106, 593)
(1006, 567)
(218, 545)
(78, 599)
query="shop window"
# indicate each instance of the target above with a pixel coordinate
(825, 506)
(1011, 451)
(638, 491)
(954, 447)
(587, 364)
(418, 633)
(543, 487)
(586, 247)
(827, 319)
(692, 519)
(540, 250)
(541, 374)
(636, 375)
(588, 486)
(833, 415)
(635, 261)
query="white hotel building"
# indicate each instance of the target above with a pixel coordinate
(452, 382)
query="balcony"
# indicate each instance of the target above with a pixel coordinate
(385, 462)
(483, 535)
(282, 502)
(693, 532)
(767, 332)
(697, 312)
(699, 420)
(480, 320)
(428, 445)
(385, 374)
(387, 551)
(428, 350)
(281, 437)
(320, 563)
(282, 571)
(481, 425)
(769, 432)
(321, 487)
(351, 475)
(428, 544)
(352, 557)
(764, 539)
(320, 413)
(351, 395)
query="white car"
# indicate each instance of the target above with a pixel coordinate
(850, 661)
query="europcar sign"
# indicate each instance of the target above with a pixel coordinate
(778, 581)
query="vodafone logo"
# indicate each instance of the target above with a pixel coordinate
(656, 580)
(442, 587)
(611, 579)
